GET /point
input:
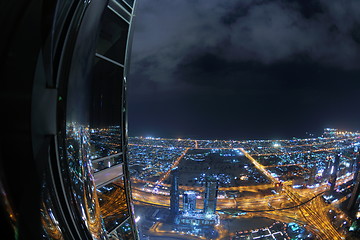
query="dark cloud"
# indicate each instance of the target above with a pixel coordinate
(286, 65)
(265, 31)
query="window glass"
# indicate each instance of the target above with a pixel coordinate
(107, 162)
(113, 204)
(113, 36)
(130, 2)
(123, 4)
(125, 231)
(106, 105)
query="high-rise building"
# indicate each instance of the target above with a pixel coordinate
(174, 192)
(63, 147)
(211, 190)
(356, 166)
(354, 202)
(189, 202)
(328, 164)
(333, 172)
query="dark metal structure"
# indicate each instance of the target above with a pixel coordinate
(63, 145)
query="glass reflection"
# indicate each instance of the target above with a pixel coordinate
(125, 231)
(113, 36)
(105, 141)
(7, 206)
(92, 151)
(113, 204)
(106, 109)
(83, 187)
(107, 162)
(49, 218)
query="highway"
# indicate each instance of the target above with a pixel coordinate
(303, 206)
(176, 162)
(313, 214)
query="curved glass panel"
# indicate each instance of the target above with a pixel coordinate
(113, 203)
(82, 186)
(49, 216)
(76, 151)
(113, 36)
(107, 162)
(126, 231)
(106, 109)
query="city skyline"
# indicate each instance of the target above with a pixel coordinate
(244, 70)
(218, 91)
(249, 189)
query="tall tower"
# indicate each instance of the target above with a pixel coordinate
(174, 192)
(189, 202)
(357, 168)
(333, 173)
(353, 204)
(327, 169)
(211, 190)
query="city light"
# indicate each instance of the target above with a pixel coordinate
(296, 178)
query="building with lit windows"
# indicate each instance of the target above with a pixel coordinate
(174, 193)
(63, 69)
(211, 190)
(189, 201)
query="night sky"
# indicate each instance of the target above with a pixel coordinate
(249, 69)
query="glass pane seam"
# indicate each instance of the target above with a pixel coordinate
(118, 4)
(126, 219)
(105, 158)
(109, 60)
(119, 15)
(109, 181)
(127, 4)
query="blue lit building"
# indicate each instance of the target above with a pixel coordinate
(334, 172)
(189, 202)
(174, 193)
(211, 190)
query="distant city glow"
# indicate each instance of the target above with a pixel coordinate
(253, 176)
(277, 145)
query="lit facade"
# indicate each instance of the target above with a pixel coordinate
(254, 176)
(189, 201)
(334, 172)
(65, 70)
(211, 190)
(354, 202)
(174, 192)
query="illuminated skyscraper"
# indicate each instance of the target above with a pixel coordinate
(189, 201)
(354, 202)
(174, 192)
(64, 69)
(356, 168)
(211, 190)
(333, 172)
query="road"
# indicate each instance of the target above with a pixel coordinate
(314, 213)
